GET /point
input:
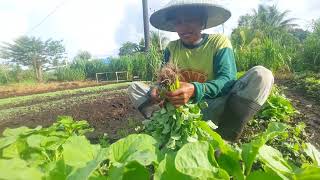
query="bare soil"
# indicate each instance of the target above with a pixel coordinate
(109, 112)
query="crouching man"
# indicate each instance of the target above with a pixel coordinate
(208, 69)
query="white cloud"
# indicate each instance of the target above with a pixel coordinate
(12, 27)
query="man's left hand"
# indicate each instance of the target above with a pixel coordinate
(182, 95)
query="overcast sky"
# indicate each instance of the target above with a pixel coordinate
(101, 26)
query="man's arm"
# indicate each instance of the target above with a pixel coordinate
(225, 76)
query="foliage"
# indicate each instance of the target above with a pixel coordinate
(129, 48)
(62, 152)
(70, 74)
(31, 51)
(277, 108)
(308, 84)
(83, 55)
(266, 37)
(310, 56)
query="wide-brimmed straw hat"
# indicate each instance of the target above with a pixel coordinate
(215, 14)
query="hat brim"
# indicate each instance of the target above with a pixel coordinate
(216, 15)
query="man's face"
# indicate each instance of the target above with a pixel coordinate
(188, 28)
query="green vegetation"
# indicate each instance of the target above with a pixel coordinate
(32, 51)
(16, 101)
(308, 84)
(62, 152)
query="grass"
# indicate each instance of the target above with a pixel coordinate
(25, 88)
(24, 100)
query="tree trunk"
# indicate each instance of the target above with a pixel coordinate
(38, 70)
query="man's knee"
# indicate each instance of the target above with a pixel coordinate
(137, 92)
(256, 85)
(262, 76)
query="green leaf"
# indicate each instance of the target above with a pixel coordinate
(35, 140)
(167, 170)
(197, 160)
(6, 141)
(14, 150)
(273, 159)
(77, 151)
(86, 171)
(230, 161)
(135, 147)
(217, 140)
(313, 153)
(308, 172)
(132, 170)
(57, 170)
(250, 150)
(18, 169)
(260, 175)
(19, 131)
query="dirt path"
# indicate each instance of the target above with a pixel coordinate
(310, 113)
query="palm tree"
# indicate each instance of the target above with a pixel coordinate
(158, 40)
(270, 17)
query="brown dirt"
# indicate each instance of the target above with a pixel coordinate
(28, 89)
(110, 113)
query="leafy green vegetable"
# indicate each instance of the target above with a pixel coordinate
(197, 161)
(313, 153)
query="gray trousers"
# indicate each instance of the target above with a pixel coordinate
(255, 86)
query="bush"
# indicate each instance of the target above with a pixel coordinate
(310, 56)
(268, 53)
(70, 74)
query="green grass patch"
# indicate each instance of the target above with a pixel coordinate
(23, 100)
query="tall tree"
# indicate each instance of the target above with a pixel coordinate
(158, 40)
(128, 48)
(267, 17)
(32, 51)
(83, 55)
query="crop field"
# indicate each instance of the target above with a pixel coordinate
(285, 131)
(107, 109)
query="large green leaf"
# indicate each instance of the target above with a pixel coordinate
(18, 169)
(273, 159)
(250, 150)
(197, 161)
(35, 140)
(6, 141)
(19, 131)
(77, 151)
(135, 147)
(313, 153)
(308, 172)
(260, 175)
(15, 149)
(229, 160)
(167, 170)
(57, 170)
(85, 172)
(132, 170)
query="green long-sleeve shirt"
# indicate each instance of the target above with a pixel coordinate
(209, 65)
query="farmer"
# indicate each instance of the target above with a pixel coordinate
(208, 69)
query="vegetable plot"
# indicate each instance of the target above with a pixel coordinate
(62, 152)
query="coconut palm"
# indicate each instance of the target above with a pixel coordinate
(270, 17)
(158, 40)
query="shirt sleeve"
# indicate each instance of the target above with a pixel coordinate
(225, 75)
